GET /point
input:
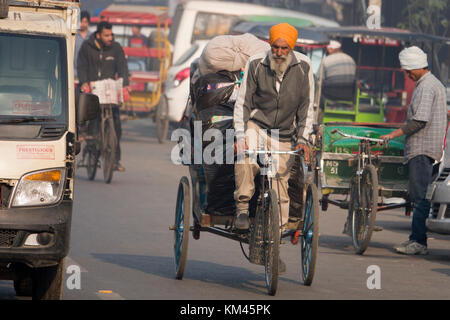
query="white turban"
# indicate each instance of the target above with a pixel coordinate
(334, 45)
(413, 58)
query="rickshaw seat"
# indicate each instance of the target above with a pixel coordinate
(339, 91)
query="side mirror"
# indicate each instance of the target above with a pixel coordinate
(87, 106)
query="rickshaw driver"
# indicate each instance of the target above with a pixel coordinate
(339, 73)
(425, 131)
(276, 93)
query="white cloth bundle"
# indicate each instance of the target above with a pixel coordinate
(230, 52)
(413, 58)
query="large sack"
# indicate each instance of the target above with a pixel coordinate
(215, 89)
(230, 53)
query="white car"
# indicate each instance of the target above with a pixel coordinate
(176, 87)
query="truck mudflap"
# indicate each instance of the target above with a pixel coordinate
(37, 237)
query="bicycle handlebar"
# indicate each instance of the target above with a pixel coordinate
(357, 137)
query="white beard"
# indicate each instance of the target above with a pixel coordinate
(279, 68)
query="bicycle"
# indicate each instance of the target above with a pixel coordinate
(102, 144)
(364, 192)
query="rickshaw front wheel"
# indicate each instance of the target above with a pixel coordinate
(363, 208)
(309, 242)
(271, 240)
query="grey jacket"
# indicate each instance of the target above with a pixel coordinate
(290, 110)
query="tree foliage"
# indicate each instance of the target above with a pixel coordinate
(426, 16)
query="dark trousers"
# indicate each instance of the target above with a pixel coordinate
(95, 125)
(420, 173)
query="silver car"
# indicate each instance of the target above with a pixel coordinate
(439, 194)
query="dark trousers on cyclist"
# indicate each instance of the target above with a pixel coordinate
(95, 125)
(420, 174)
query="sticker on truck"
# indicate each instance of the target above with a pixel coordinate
(43, 152)
(35, 108)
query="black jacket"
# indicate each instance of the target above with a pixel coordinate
(96, 63)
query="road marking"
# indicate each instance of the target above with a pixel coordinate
(108, 295)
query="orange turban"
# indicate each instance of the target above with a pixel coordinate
(284, 31)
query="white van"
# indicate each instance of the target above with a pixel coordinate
(38, 122)
(203, 20)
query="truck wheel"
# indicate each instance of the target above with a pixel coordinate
(4, 9)
(48, 282)
(23, 287)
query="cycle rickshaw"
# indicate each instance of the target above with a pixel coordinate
(207, 194)
(264, 235)
(351, 157)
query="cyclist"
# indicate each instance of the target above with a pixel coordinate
(276, 93)
(99, 58)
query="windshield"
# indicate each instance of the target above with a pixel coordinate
(33, 81)
(316, 57)
(315, 54)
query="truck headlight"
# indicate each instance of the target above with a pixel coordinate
(39, 188)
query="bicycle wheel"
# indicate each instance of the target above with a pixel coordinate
(271, 241)
(91, 155)
(162, 119)
(309, 242)
(364, 208)
(109, 150)
(181, 227)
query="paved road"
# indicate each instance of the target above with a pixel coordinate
(121, 242)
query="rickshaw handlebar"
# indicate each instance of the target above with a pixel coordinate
(358, 137)
(298, 152)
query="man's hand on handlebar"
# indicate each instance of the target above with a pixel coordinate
(386, 138)
(305, 151)
(85, 88)
(240, 146)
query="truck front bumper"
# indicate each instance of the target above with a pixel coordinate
(37, 237)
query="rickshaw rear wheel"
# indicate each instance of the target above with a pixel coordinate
(181, 226)
(271, 240)
(162, 119)
(364, 208)
(309, 242)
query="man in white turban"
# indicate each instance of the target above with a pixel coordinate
(426, 123)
